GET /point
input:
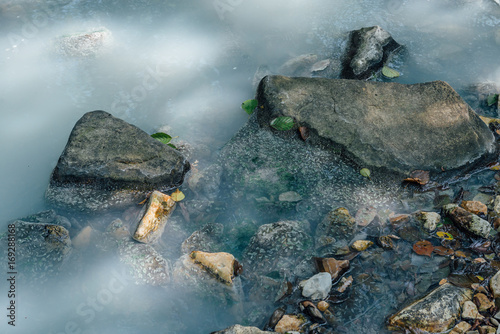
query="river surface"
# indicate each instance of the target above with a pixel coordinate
(182, 67)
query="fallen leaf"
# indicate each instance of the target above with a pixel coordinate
(365, 172)
(249, 106)
(177, 195)
(418, 176)
(460, 254)
(423, 247)
(443, 281)
(443, 251)
(304, 132)
(282, 123)
(444, 235)
(389, 72)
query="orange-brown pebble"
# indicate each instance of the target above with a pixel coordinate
(322, 306)
(475, 207)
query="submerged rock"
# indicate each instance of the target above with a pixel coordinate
(278, 248)
(206, 239)
(86, 44)
(334, 232)
(40, 248)
(429, 220)
(368, 49)
(374, 123)
(110, 163)
(468, 221)
(238, 329)
(318, 286)
(146, 265)
(156, 212)
(436, 312)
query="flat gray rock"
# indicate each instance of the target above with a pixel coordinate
(108, 162)
(399, 127)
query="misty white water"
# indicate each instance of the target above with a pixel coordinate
(187, 66)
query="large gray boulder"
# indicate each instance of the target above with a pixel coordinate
(108, 162)
(399, 127)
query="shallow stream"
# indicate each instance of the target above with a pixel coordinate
(185, 67)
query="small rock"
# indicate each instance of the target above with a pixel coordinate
(367, 50)
(206, 239)
(152, 223)
(88, 44)
(289, 323)
(299, 66)
(482, 302)
(429, 220)
(82, 240)
(290, 196)
(385, 242)
(467, 221)
(238, 329)
(398, 220)
(334, 231)
(475, 207)
(118, 229)
(332, 266)
(318, 286)
(496, 204)
(461, 328)
(420, 177)
(345, 283)
(221, 265)
(483, 198)
(488, 330)
(361, 245)
(495, 285)
(320, 65)
(322, 306)
(146, 265)
(469, 311)
(365, 215)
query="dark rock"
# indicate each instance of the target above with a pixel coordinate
(108, 162)
(334, 232)
(368, 49)
(374, 123)
(276, 249)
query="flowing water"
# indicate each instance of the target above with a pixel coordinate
(183, 67)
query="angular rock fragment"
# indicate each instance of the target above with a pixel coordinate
(467, 221)
(108, 162)
(289, 323)
(238, 329)
(318, 286)
(429, 220)
(154, 217)
(368, 49)
(146, 265)
(278, 247)
(435, 312)
(332, 266)
(222, 265)
(469, 311)
(461, 328)
(334, 231)
(495, 285)
(361, 245)
(475, 207)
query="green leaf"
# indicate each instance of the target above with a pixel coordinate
(172, 145)
(249, 106)
(389, 72)
(282, 123)
(492, 99)
(365, 172)
(163, 137)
